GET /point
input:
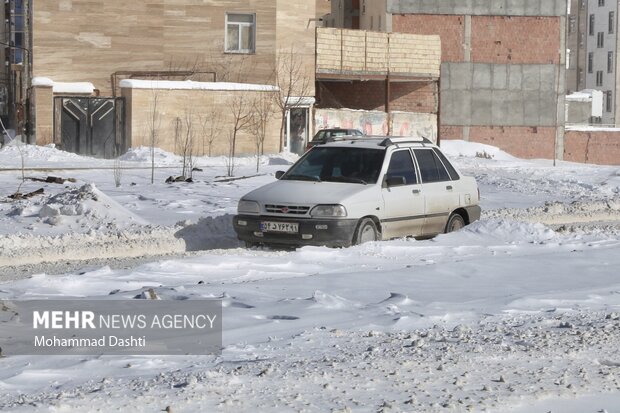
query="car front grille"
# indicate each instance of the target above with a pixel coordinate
(287, 209)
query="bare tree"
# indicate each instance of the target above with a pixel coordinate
(154, 123)
(211, 128)
(241, 112)
(262, 112)
(292, 83)
(187, 148)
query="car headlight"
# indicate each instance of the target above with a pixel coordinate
(334, 211)
(248, 207)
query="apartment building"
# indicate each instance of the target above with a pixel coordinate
(576, 25)
(100, 43)
(602, 54)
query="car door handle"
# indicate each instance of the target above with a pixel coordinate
(449, 187)
(415, 191)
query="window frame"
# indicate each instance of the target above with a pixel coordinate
(435, 158)
(599, 78)
(600, 40)
(414, 163)
(608, 101)
(611, 22)
(590, 62)
(591, 25)
(252, 26)
(610, 62)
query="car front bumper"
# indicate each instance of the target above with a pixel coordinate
(327, 232)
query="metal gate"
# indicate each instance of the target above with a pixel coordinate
(90, 126)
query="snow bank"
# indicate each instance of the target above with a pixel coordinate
(458, 148)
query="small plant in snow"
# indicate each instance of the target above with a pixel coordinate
(118, 171)
(484, 154)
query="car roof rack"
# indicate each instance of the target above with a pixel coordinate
(403, 139)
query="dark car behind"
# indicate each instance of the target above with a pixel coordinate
(328, 135)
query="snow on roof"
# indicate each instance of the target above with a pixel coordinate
(65, 87)
(188, 84)
(582, 96)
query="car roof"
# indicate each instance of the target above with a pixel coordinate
(380, 142)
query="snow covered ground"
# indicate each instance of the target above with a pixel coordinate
(519, 312)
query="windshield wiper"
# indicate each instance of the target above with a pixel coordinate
(346, 179)
(298, 177)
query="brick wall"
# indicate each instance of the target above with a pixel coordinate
(498, 39)
(522, 142)
(449, 29)
(370, 95)
(601, 148)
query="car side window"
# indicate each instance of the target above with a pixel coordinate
(431, 168)
(401, 164)
(453, 174)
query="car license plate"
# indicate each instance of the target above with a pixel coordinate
(288, 227)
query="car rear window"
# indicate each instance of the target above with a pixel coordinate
(453, 174)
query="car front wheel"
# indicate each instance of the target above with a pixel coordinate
(455, 223)
(366, 232)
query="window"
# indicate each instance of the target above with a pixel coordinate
(401, 164)
(599, 78)
(600, 40)
(590, 62)
(591, 28)
(372, 25)
(240, 33)
(610, 62)
(451, 171)
(612, 19)
(431, 169)
(601, 3)
(572, 24)
(608, 101)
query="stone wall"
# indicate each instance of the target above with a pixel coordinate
(198, 105)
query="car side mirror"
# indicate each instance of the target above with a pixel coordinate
(279, 174)
(391, 181)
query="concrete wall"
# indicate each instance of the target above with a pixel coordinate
(596, 147)
(378, 123)
(374, 16)
(198, 105)
(479, 7)
(477, 94)
(578, 111)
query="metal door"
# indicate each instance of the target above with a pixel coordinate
(91, 126)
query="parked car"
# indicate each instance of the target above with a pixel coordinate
(328, 135)
(358, 190)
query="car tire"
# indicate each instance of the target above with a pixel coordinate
(455, 222)
(366, 232)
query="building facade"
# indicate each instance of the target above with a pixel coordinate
(503, 67)
(103, 42)
(576, 25)
(601, 54)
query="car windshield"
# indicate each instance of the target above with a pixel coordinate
(338, 164)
